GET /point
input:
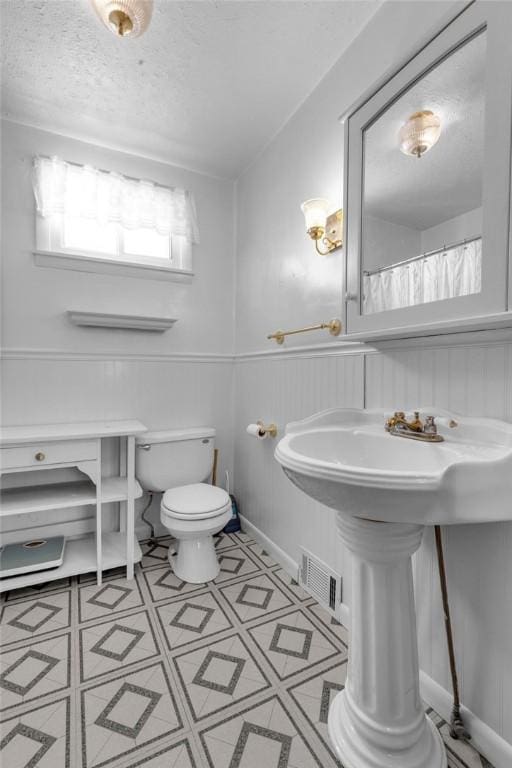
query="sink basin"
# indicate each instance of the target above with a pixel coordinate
(385, 490)
(342, 457)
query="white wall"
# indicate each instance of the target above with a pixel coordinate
(35, 298)
(283, 389)
(282, 283)
(385, 242)
(466, 225)
(54, 371)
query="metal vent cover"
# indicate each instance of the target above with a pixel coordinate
(320, 581)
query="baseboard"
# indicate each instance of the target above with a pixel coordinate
(287, 563)
(495, 749)
(279, 555)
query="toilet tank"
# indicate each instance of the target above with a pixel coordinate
(174, 457)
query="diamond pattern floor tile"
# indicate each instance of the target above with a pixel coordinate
(177, 756)
(292, 585)
(114, 596)
(255, 597)
(235, 563)
(156, 554)
(261, 554)
(32, 671)
(264, 735)
(218, 675)
(39, 737)
(292, 643)
(193, 618)
(35, 617)
(38, 589)
(314, 696)
(111, 645)
(329, 622)
(163, 584)
(126, 713)
(225, 541)
(158, 673)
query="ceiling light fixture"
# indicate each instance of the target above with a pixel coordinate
(323, 226)
(124, 18)
(420, 133)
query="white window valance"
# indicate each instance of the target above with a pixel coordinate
(106, 197)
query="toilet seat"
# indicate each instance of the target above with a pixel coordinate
(198, 501)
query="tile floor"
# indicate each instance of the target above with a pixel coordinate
(163, 674)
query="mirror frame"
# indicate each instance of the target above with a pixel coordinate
(478, 18)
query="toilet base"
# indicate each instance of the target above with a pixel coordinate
(196, 560)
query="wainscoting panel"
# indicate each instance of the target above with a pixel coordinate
(162, 394)
(282, 389)
(476, 380)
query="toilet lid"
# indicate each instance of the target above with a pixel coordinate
(196, 500)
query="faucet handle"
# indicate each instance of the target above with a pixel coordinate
(430, 425)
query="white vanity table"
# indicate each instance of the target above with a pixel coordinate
(59, 446)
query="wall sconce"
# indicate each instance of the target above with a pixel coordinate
(321, 226)
(419, 134)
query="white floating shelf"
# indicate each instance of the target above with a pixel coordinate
(79, 557)
(37, 498)
(115, 320)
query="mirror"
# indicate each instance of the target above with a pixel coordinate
(422, 188)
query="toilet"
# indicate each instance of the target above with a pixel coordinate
(177, 462)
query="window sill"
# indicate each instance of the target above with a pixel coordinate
(104, 265)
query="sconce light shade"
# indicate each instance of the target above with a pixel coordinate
(419, 133)
(124, 18)
(321, 226)
(315, 214)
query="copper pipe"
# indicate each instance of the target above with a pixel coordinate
(457, 728)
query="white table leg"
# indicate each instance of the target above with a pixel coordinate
(99, 542)
(122, 473)
(130, 505)
(378, 720)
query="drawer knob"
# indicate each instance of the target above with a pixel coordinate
(40, 456)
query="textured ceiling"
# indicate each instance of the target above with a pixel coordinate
(447, 181)
(206, 87)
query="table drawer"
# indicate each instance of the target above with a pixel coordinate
(46, 454)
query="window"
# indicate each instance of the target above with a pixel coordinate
(84, 211)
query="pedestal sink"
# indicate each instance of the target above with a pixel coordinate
(386, 489)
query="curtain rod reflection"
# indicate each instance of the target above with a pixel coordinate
(466, 240)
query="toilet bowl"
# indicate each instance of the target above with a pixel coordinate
(193, 514)
(176, 462)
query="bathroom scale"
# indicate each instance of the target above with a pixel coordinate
(33, 555)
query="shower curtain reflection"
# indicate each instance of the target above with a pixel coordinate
(444, 274)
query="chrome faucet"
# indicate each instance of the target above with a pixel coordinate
(415, 429)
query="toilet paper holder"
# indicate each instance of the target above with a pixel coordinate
(269, 429)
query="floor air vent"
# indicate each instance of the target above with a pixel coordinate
(320, 581)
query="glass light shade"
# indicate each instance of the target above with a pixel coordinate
(420, 133)
(124, 18)
(315, 213)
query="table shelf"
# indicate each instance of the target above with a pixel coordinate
(79, 557)
(38, 498)
(59, 446)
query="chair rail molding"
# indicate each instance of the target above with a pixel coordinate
(31, 353)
